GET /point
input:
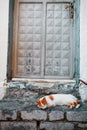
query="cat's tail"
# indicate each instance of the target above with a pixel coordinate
(75, 104)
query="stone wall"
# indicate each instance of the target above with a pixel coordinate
(43, 120)
(19, 112)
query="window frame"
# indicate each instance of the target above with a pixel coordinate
(76, 36)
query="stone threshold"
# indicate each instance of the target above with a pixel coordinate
(44, 81)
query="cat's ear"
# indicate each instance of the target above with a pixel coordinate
(43, 101)
(38, 103)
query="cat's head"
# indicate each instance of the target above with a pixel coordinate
(42, 103)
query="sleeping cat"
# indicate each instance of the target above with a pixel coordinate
(58, 99)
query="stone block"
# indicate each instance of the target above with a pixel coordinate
(77, 116)
(18, 126)
(82, 125)
(34, 115)
(56, 126)
(56, 115)
(8, 115)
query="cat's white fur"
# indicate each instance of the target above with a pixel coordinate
(59, 99)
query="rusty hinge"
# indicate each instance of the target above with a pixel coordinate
(70, 6)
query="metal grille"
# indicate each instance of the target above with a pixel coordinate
(30, 38)
(44, 44)
(58, 40)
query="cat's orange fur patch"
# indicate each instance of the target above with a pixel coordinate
(51, 97)
(39, 103)
(44, 102)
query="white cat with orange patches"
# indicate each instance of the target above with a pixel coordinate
(58, 99)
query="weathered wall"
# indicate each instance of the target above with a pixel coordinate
(4, 8)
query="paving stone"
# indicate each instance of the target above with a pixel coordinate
(18, 126)
(56, 115)
(77, 116)
(8, 115)
(56, 126)
(34, 115)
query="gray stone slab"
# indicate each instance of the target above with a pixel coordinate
(56, 126)
(34, 115)
(77, 116)
(56, 115)
(82, 125)
(18, 126)
(8, 115)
